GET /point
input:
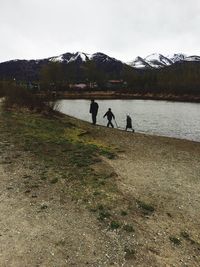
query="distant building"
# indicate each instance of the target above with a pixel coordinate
(90, 85)
(78, 86)
(116, 84)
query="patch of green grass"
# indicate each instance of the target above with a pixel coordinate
(175, 240)
(63, 150)
(107, 153)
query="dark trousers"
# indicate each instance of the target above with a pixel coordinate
(110, 123)
(94, 118)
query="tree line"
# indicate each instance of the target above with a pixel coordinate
(180, 78)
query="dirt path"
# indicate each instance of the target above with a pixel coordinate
(163, 173)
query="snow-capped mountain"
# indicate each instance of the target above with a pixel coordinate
(70, 57)
(82, 57)
(29, 69)
(156, 61)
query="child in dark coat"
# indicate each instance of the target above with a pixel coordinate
(129, 123)
(109, 115)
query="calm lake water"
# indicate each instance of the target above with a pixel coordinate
(173, 119)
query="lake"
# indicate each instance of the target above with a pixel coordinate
(173, 119)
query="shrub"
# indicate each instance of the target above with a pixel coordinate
(20, 97)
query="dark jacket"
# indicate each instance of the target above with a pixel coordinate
(94, 108)
(128, 122)
(109, 115)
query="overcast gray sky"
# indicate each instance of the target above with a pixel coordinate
(122, 29)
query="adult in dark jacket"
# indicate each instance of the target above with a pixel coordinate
(109, 115)
(94, 110)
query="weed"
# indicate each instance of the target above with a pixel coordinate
(129, 253)
(147, 208)
(54, 180)
(103, 213)
(185, 235)
(34, 186)
(96, 193)
(43, 177)
(128, 228)
(107, 153)
(101, 207)
(124, 213)
(114, 225)
(176, 241)
(43, 207)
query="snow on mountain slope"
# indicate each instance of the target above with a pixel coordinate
(70, 57)
(153, 61)
(82, 57)
(156, 61)
(139, 63)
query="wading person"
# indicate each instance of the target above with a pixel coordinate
(129, 123)
(94, 110)
(109, 116)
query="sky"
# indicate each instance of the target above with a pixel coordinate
(123, 29)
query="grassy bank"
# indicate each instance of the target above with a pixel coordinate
(69, 150)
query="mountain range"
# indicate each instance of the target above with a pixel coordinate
(151, 61)
(156, 61)
(29, 69)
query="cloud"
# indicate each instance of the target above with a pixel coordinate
(120, 28)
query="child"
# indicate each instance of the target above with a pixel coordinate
(109, 115)
(129, 123)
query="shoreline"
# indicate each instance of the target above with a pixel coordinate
(126, 95)
(121, 130)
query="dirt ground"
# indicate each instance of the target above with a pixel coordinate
(166, 174)
(41, 226)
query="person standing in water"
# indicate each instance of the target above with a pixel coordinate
(94, 110)
(109, 115)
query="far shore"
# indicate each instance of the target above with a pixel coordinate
(127, 95)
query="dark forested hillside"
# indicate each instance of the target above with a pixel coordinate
(179, 78)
